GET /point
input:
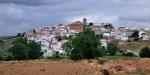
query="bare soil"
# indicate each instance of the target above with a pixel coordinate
(85, 67)
(136, 66)
(46, 68)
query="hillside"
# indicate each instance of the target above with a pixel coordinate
(133, 45)
(6, 42)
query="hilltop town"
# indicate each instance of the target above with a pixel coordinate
(53, 37)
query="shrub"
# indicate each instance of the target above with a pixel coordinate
(112, 49)
(103, 50)
(145, 52)
(56, 55)
(5, 55)
(129, 54)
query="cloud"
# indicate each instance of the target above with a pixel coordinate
(31, 2)
(95, 18)
(22, 15)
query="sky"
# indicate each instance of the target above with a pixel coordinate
(23, 15)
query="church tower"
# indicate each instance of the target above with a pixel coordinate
(84, 21)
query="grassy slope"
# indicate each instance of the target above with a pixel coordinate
(6, 42)
(119, 57)
(134, 45)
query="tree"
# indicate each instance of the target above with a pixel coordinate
(67, 47)
(59, 38)
(35, 50)
(20, 40)
(85, 46)
(20, 51)
(34, 31)
(108, 26)
(56, 54)
(23, 34)
(24, 49)
(145, 52)
(135, 35)
(90, 24)
(112, 49)
(19, 35)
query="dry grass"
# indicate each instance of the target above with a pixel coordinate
(134, 45)
(129, 67)
(46, 68)
(84, 67)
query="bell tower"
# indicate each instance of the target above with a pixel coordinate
(84, 21)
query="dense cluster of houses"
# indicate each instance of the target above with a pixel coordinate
(53, 37)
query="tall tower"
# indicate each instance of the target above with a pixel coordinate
(85, 21)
